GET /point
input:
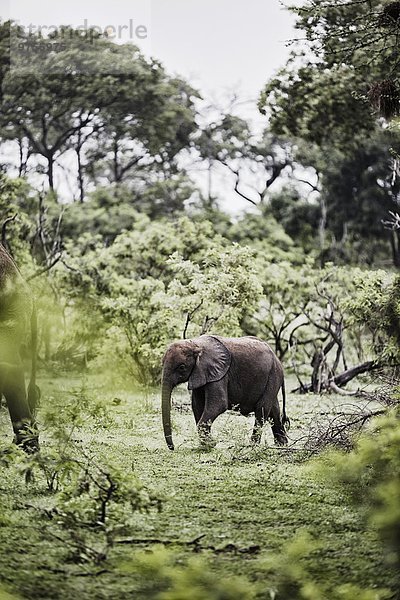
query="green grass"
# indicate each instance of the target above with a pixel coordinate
(243, 504)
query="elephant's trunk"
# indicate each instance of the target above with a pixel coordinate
(166, 413)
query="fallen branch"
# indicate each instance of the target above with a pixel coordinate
(178, 542)
(335, 388)
(339, 432)
(197, 547)
(71, 573)
(342, 379)
(46, 268)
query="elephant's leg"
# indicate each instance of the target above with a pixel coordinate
(216, 403)
(278, 428)
(15, 394)
(198, 401)
(261, 415)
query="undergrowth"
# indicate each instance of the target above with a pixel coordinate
(105, 510)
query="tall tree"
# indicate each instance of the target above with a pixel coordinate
(105, 102)
(321, 100)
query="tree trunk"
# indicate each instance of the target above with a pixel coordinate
(46, 341)
(80, 173)
(395, 245)
(50, 171)
(322, 229)
(116, 169)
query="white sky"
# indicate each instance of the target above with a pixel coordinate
(217, 44)
(220, 46)
(222, 43)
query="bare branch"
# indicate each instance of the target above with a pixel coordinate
(394, 223)
(189, 316)
(237, 181)
(46, 268)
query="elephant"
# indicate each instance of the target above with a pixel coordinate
(18, 326)
(225, 373)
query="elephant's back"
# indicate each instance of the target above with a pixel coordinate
(254, 366)
(247, 345)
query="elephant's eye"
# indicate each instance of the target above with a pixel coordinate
(182, 367)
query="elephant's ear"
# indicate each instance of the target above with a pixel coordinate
(212, 363)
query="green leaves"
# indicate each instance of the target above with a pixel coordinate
(216, 293)
(104, 101)
(317, 104)
(320, 101)
(375, 304)
(371, 476)
(161, 281)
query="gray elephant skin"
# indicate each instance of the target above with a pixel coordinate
(18, 328)
(223, 374)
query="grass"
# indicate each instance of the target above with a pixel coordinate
(236, 505)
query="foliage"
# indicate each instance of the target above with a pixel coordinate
(215, 294)
(299, 216)
(304, 314)
(15, 218)
(4, 595)
(263, 232)
(316, 104)
(93, 509)
(106, 213)
(93, 497)
(169, 581)
(356, 183)
(375, 305)
(286, 294)
(126, 297)
(241, 542)
(370, 475)
(293, 578)
(225, 138)
(153, 280)
(319, 101)
(117, 112)
(361, 34)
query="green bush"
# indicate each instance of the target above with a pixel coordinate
(371, 476)
(164, 579)
(289, 576)
(155, 285)
(376, 305)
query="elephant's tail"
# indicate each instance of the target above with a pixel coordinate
(285, 418)
(33, 389)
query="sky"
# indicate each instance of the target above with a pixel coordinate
(217, 44)
(222, 43)
(221, 46)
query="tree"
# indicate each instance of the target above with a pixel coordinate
(106, 103)
(362, 34)
(376, 306)
(317, 103)
(255, 164)
(158, 282)
(320, 100)
(149, 123)
(304, 314)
